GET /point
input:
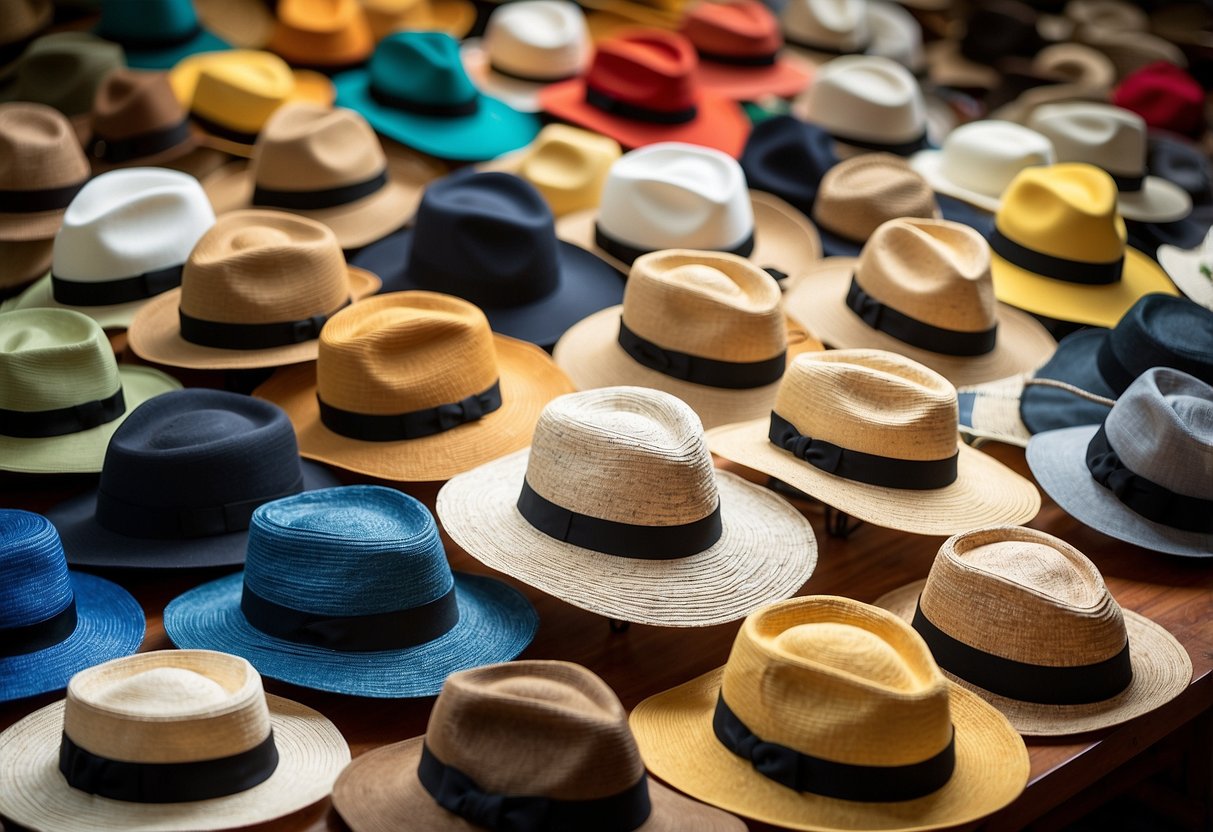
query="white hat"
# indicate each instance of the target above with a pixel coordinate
(896, 35)
(978, 160)
(1191, 269)
(826, 27)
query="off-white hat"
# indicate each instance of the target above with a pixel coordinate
(825, 28)
(1191, 269)
(978, 160)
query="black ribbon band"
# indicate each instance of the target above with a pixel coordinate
(117, 151)
(425, 108)
(613, 538)
(222, 131)
(628, 253)
(729, 375)
(326, 198)
(180, 522)
(1110, 368)
(461, 795)
(1077, 685)
(110, 292)
(371, 427)
(617, 107)
(913, 474)
(30, 638)
(823, 48)
(897, 148)
(844, 781)
(61, 421)
(1149, 499)
(135, 43)
(1058, 268)
(229, 336)
(1127, 184)
(167, 782)
(530, 79)
(917, 333)
(766, 59)
(43, 199)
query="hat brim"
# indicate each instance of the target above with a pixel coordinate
(41, 295)
(765, 553)
(674, 732)
(24, 262)
(947, 67)
(1076, 362)
(496, 623)
(1183, 267)
(84, 130)
(517, 93)
(929, 164)
(1159, 200)
(167, 58)
(1058, 460)
(786, 78)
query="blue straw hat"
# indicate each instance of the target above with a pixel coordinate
(54, 623)
(156, 34)
(348, 590)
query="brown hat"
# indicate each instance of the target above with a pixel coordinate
(23, 262)
(859, 194)
(326, 35)
(41, 169)
(21, 21)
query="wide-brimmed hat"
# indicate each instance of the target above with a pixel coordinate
(1191, 270)
(375, 585)
(181, 479)
(62, 393)
(824, 29)
(788, 158)
(993, 30)
(21, 263)
(173, 740)
(1025, 621)
(1131, 51)
(41, 170)
(414, 386)
(23, 20)
(62, 70)
(1051, 73)
(1167, 97)
(324, 35)
(567, 165)
(54, 622)
(455, 17)
(832, 715)
(240, 23)
(1183, 162)
(156, 34)
(741, 53)
(550, 737)
(979, 160)
(873, 434)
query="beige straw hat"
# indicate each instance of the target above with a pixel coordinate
(41, 169)
(1025, 621)
(566, 164)
(550, 737)
(137, 731)
(832, 715)
(874, 434)
(858, 194)
(616, 508)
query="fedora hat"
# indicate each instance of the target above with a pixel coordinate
(41, 169)
(740, 50)
(725, 356)
(180, 481)
(1185, 163)
(23, 20)
(21, 263)
(326, 165)
(61, 70)
(241, 23)
(156, 34)
(375, 585)
(1191, 270)
(896, 34)
(489, 238)
(1058, 65)
(1144, 476)
(549, 738)
(992, 31)
(822, 29)
(832, 715)
(413, 386)
(567, 165)
(54, 622)
(788, 158)
(1025, 621)
(172, 740)
(643, 87)
(416, 91)
(1166, 96)
(873, 434)
(673, 195)
(324, 35)
(455, 17)
(616, 509)
(1130, 51)
(62, 393)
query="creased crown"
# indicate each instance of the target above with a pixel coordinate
(651, 68)
(421, 66)
(130, 103)
(34, 581)
(985, 156)
(839, 25)
(740, 28)
(867, 97)
(858, 194)
(242, 93)
(538, 38)
(38, 149)
(306, 147)
(569, 166)
(53, 358)
(1064, 210)
(1109, 137)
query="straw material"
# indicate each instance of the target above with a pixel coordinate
(131, 104)
(242, 23)
(333, 34)
(859, 194)
(567, 165)
(23, 261)
(865, 98)
(993, 411)
(38, 152)
(834, 27)
(455, 17)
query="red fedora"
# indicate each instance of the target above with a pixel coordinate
(739, 47)
(1166, 97)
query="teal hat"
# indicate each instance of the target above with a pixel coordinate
(416, 92)
(156, 34)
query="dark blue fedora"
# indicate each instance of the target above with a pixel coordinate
(788, 157)
(1180, 161)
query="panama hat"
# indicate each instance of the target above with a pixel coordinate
(616, 508)
(171, 740)
(725, 356)
(741, 52)
(62, 393)
(1145, 475)
(61, 70)
(241, 23)
(1166, 96)
(567, 165)
(325, 35)
(979, 160)
(549, 738)
(23, 20)
(1191, 270)
(413, 386)
(873, 434)
(832, 715)
(41, 170)
(21, 263)
(54, 622)
(822, 29)
(896, 34)
(156, 34)
(1025, 621)
(1183, 162)
(455, 17)
(788, 158)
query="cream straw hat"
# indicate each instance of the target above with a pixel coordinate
(822, 29)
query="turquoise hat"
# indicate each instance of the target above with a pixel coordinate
(156, 34)
(416, 92)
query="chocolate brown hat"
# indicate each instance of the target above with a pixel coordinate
(41, 170)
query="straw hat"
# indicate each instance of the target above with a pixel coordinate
(550, 735)
(21, 263)
(324, 35)
(567, 165)
(245, 24)
(41, 169)
(896, 34)
(61, 70)
(832, 715)
(156, 34)
(993, 31)
(413, 386)
(1191, 270)
(741, 52)
(23, 20)
(227, 754)
(455, 17)
(1050, 72)
(1131, 51)
(873, 434)
(1024, 620)
(822, 29)
(615, 508)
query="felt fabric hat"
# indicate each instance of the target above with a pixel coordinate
(740, 51)
(413, 386)
(324, 35)
(832, 715)
(1167, 97)
(643, 87)
(1191, 270)
(126, 747)
(61, 70)
(415, 91)
(616, 508)
(724, 358)
(155, 34)
(567, 165)
(62, 393)
(551, 738)
(54, 622)
(455, 17)
(21, 263)
(788, 158)
(823, 29)
(23, 20)
(348, 590)
(1025, 621)
(41, 170)
(1145, 476)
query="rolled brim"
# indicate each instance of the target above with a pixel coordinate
(1184, 267)
(786, 78)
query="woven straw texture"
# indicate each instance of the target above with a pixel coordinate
(993, 411)
(566, 164)
(38, 151)
(859, 194)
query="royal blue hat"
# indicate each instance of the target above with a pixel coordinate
(53, 622)
(348, 590)
(155, 34)
(181, 478)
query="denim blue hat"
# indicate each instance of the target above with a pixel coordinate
(155, 34)
(54, 623)
(348, 590)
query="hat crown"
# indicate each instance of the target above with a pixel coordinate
(986, 156)
(859, 194)
(52, 359)
(308, 147)
(569, 166)
(421, 66)
(38, 149)
(1064, 210)
(746, 27)
(36, 584)
(242, 89)
(130, 103)
(834, 25)
(866, 98)
(328, 32)
(318, 16)
(163, 20)
(23, 18)
(649, 68)
(788, 158)
(62, 70)
(538, 38)
(1165, 96)
(1109, 137)
(1164, 331)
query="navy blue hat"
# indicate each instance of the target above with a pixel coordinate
(788, 157)
(348, 590)
(181, 478)
(489, 238)
(1179, 161)
(54, 623)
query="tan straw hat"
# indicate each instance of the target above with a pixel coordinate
(616, 508)
(549, 738)
(566, 164)
(858, 194)
(413, 386)
(168, 740)
(21, 263)
(724, 358)
(874, 435)
(1025, 621)
(41, 169)
(832, 715)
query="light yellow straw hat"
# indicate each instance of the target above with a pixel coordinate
(567, 165)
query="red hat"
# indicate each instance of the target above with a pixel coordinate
(642, 88)
(738, 45)
(1166, 97)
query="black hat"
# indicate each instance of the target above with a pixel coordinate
(787, 157)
